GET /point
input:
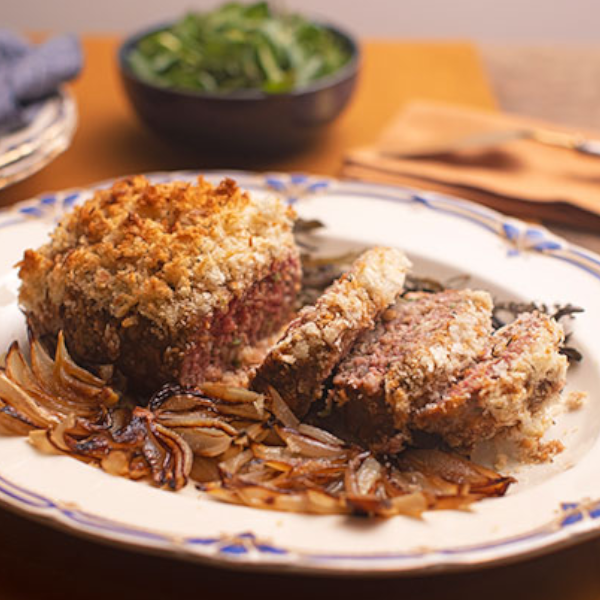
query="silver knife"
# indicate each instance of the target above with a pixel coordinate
(489, 139)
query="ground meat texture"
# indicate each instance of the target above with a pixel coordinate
(446, 333)
(522, 373)
(419, 345)
(168, 282)
(200, 351)
(322, 334)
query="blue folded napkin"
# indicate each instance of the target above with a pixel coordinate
(29, 74)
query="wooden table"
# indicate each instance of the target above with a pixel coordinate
(38, 562)
(110, 140)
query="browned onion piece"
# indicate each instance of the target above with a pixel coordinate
(282, 411)
(261, 497)
(48, 391)
(230, 393)
(232, 465)
(57, 433)
(278, 454)
(25, 407)
(369, 472)
(181, 405)
(12, 422)
(412, 505)
(179, 457)
(64, 362)
(205, 469)
(320, 434)
(116, 463)
(308, 446)
(39, 439)
(206, 441)
(257, 432)
(252, 412)
(195, 419)
(350, 479)
(321, 502)
(456, 469)
(80, 382)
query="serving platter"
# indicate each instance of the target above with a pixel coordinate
(29, 149)
(551, 505)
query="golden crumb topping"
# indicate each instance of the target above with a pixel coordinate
(169, 251)
(349, 306)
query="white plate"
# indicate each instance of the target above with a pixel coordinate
(552, 505)
(27, 150)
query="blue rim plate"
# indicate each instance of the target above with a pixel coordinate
(551, 506)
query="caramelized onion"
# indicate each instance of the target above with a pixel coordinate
(308, 446)
(231, 466)
(320, 434)
(195, 420)
(229, 393)
(367, 475)
(116, 463)
(206, 441)
(282, 411)
(455, 469)
(12, 422)
(49, 390)
(238, 446)
(25, 407)
(412, 505)
(39, 439)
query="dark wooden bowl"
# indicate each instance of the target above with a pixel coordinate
(244, 120)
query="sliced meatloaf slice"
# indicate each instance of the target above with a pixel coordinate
(447, 333)
(168, 281)
(522, 373)
(314, 343)
(420, 344)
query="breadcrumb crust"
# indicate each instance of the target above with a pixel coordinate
(323, 333)
(511, 388)
(421, 344)
(167, 252)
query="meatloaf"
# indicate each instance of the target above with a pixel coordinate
(315, 342)
(166, 281)
(521, 374)
(420, 345)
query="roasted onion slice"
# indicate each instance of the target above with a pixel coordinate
(45, 391)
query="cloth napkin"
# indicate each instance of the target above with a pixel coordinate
(29, 74)
(520, 177)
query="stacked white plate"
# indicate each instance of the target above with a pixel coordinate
(29, 149)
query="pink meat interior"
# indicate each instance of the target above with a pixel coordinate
(261, 311)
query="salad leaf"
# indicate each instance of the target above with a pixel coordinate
(239, 47)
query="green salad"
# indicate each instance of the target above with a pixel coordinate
(239, 47)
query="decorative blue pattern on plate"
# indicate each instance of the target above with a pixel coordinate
(572, 519)
(296, 186)
(519, 236)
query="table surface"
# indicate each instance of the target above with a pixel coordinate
(37, 561)
(110, 141)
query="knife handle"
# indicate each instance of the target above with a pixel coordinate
(589, 147)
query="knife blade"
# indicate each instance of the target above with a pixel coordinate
(490, 139)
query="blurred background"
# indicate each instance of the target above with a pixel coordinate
(526, 45)
(481, 20)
